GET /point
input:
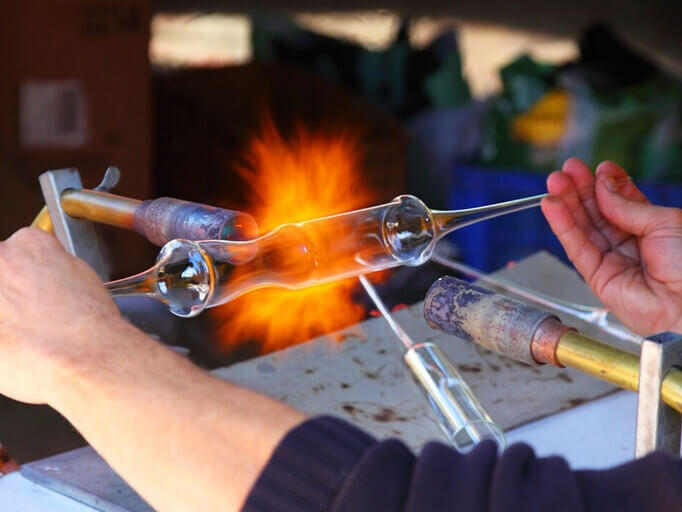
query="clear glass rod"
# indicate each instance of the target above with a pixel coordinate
(191, 276)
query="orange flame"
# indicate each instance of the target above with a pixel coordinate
(290, 180)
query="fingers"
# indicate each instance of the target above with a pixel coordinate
(32, 236)
(562, 185)
(584, 182)
(579, 172)
(584, 254)
(33, 242)
(626, 186)
(627, 208)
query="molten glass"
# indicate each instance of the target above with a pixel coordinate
(191, 276)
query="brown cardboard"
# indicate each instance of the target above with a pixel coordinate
(74, 92)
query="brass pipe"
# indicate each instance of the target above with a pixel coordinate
(159, 220)
(43, 221)
(96, 206)
(516, 330)
(100, 207)
(613, 365)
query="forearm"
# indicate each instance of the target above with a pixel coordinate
(183, 439)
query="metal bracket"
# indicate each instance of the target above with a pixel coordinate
(110, 179)
(77, 236)
(658, 425)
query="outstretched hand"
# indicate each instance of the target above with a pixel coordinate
(628, 250)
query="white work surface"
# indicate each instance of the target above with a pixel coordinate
(363, 381)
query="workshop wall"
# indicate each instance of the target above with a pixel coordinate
(74, 92)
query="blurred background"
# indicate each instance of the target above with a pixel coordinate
(322, 108)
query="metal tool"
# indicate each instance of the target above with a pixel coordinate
(78, 236)
(598, 316)
(658, 425)
(159, 220)
(526, 334)
(460, 415)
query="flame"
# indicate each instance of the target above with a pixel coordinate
(294, 179)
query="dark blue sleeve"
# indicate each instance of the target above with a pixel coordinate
(326, 464)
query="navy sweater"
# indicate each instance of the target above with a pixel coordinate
(326, 464)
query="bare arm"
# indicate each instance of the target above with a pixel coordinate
(183, 439)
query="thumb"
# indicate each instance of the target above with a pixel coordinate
(632, 216)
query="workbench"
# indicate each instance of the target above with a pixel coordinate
(358, 374)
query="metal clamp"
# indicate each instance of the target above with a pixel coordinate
(77, 236)
(658, 425)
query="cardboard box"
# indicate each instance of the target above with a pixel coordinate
(74, 92)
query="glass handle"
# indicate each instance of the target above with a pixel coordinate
(183, 278)
(448, 221)
(461, 416)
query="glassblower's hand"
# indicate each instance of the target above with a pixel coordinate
(63, 342)
(628, 250)
(54, 312)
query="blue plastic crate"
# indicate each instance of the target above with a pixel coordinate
(492, 244)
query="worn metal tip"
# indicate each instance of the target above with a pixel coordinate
(480, 316)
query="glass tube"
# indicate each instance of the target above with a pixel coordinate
(461, 416)
(190, 276)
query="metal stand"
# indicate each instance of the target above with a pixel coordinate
(77, 236)
(658, 425)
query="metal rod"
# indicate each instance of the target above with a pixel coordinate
(598, 359)
(613, 365)
(516, 330)
(43, 221)
(597, 316)
(101, 207)
(159, 220)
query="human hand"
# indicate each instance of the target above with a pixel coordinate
(53, 310)
(628, 250)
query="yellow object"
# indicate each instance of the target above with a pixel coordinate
(613, 365)
(92, 205)
(100, 207)
(43, 221)
(544, 124)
